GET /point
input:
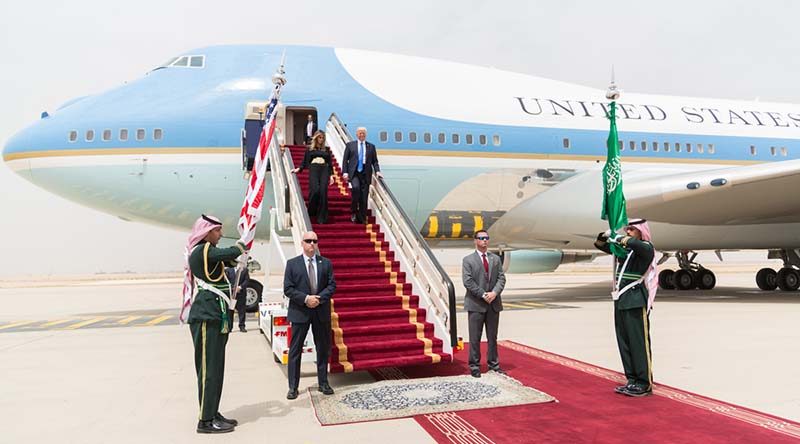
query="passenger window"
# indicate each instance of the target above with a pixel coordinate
(441, 138)
(123, 134)
(412, 137)
(73, 136)
(427, 138)
(384, 136)
(699, 147)
(655, 146)
(784, 152)
(620, 145)
(772, 150)
(644, 146)
(677, 147)
(688, 147)
(89, 135)
(632, 145)
(398, 136)
(106, 135)
(710, 148)
(482, 139)
(140, 134)
(158, 134)
(565, 143)
(197, 61)
(753, 150)
(455, 138)
(496, 140)
(468, 139)
(666, 147)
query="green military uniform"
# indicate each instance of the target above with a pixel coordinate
(631, 319)
(208, 322)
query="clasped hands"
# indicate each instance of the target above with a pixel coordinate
(312, 301)
(489, 297)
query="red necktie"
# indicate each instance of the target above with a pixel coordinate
(485, 265)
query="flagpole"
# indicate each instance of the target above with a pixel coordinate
(279, 80)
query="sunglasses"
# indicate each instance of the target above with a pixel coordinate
(311, 241)
(482, 238)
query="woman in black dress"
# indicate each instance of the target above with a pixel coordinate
(318, 160)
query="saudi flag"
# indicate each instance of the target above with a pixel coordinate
(613, 197)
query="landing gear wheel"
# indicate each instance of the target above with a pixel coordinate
(705, 279)
(253, 292)
(767, 279)
(788, 279)
(684, 280)
(666, 279)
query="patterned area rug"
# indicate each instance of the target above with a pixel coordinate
(408, 397)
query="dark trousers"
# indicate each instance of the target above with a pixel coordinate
(318, 177)
(477, 321)
(322, 340)
(359, 195)
(633, 339)
(209, 362)
(241, 311)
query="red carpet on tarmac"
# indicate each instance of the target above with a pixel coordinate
(588, 411)
(376, 320)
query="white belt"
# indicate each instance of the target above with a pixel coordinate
(206, 286)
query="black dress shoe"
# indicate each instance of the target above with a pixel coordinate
(325, 389)
(637, 390)
(242, 329)
(214, 426)
(292, 394)
(499, 370)
(475, 373)
(353, 218)
(621, 388)
(232, 422)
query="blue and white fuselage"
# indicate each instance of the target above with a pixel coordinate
(452, 138)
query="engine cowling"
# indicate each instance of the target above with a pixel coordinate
(541, 261)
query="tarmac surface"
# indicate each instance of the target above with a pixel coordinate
(105, 361)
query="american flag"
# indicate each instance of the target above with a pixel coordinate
(251, 208)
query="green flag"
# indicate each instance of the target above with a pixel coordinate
(613, 197)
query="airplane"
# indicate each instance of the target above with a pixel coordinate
(462, 146)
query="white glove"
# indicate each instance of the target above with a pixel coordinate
(608, 233)
(614, 238)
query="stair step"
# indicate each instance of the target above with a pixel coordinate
(350, 303)
(401, 361)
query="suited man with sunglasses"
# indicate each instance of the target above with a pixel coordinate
(308, 283)
(483, 277)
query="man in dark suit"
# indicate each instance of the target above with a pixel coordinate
(241, 296)
(311, 128)
(360, 160)
(308, 283)
(483, 277)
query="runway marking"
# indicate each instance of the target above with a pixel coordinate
(85, 323)
(156, 321)
(56, 322)
(128, 320)
(525, 305)
(16, 324)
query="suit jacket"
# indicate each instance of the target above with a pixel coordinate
(350, 160)
(296, 287)
(474, 277)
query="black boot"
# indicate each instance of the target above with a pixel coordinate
(232, 422)
(214, 426)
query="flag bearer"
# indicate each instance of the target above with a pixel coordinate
(208, 316)
(635, 284)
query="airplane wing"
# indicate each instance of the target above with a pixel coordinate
(752, 194)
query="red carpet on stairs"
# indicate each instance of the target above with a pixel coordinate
(588, 411)
(375, 318)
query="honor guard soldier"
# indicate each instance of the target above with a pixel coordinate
(635, 284)
(208, 316)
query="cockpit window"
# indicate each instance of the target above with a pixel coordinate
(187, 61)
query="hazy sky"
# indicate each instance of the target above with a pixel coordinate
(52, 51)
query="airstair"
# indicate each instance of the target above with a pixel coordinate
(394, 304)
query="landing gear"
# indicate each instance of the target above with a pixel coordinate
(691, 275)
(787, 278)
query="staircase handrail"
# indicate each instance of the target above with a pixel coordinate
(280, 184)
(426, 267)
(300, 222)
